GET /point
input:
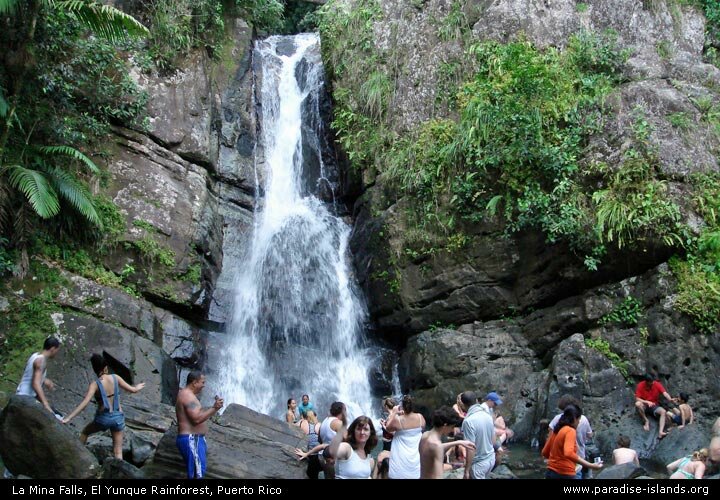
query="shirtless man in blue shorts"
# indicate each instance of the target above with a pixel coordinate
(192, 424)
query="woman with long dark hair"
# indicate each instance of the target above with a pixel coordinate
(561, 449)
(109, 416)
(291, 415)
(352, 453)
(408, 427)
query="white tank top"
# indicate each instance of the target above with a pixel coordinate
(353, 468)
(326, 433)
(405, 454)
(25, 388)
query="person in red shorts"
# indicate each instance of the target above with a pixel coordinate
(647, 402)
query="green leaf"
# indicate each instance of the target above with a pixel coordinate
(75, 193)
(106, 21)
(3, 103)
(493, 204)
(36, 188)
(8, 6)
(72, 153)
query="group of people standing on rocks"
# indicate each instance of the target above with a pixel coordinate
(105, 389)
(479, 433)
(344, 452)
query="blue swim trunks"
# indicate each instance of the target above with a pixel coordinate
(194, 451)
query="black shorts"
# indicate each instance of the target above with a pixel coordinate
(652, 410)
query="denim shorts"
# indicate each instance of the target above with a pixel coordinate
(113, 420)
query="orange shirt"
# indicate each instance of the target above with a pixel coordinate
(561, 451)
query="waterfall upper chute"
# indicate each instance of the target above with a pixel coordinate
(298, 319)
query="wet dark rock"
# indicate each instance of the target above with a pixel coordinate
(34, 443)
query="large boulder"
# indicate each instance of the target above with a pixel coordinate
(34, 443)
(624, 471)
(437, 365)
(585, 373)
(115, 468)
(678, 443)
(242, 444)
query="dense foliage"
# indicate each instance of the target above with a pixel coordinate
(59, 91)
(176, 26)
(510, 140)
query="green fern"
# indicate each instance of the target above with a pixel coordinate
(44, 184)
(68, 188)
(36, 188)
(492, 205)
(106, 21)
(71, 153)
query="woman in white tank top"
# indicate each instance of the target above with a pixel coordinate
(352, 454)
(408, 427)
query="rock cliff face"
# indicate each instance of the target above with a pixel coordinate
(190, 177)
(517, 313)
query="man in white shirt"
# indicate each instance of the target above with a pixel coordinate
(34, 378)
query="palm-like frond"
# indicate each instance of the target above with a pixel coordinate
(106, 21)
(75, 193)
(3, 103)
(72, 153)
(8, 6)
(5, 204)
(36, 188)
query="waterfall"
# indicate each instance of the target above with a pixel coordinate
(298, 318)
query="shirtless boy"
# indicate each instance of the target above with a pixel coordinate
(432, 449)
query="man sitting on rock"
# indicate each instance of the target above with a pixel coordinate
(647, 402)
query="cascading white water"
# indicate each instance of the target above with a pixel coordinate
(298, 320)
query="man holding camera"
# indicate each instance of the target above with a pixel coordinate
(192, 424)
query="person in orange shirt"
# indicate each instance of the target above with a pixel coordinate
(561, 449)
